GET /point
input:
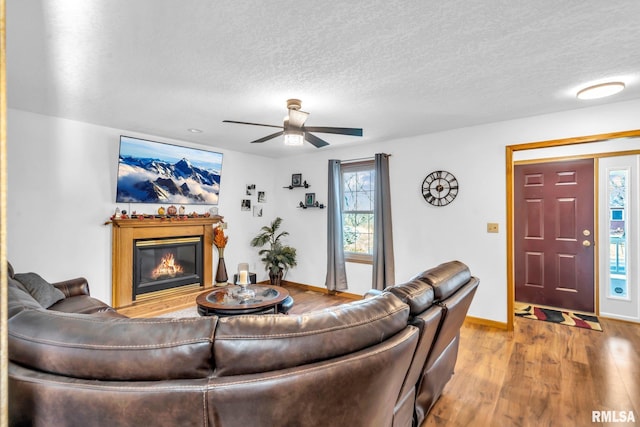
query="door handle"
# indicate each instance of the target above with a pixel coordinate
(586, 232)
(586, 243)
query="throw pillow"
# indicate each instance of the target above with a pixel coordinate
(41, 290)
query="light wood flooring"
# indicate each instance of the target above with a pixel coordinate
(541, 374)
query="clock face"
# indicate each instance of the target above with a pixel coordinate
(439, 188)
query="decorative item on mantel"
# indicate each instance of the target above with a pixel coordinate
(180, 216)
(220, 242)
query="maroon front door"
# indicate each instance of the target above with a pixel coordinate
(554, 235)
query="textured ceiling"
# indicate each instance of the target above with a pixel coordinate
(394, 68)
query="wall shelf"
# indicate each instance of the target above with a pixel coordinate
(314, 206)
(303, 185)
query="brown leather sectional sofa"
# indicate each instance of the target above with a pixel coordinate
(381, 361)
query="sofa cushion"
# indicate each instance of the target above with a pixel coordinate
(11, 282)
(446, 278)
(99, 348)
(41, 290)
(416, 293)
(252, 343)
(19, 299)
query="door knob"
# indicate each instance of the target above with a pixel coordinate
(586, 232)
(586, 243)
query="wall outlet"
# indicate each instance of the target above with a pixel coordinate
(492, 227)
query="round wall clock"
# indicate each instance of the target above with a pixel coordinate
(439, 188)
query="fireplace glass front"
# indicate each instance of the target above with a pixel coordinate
(161, 264)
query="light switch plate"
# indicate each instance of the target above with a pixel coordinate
(492, 227)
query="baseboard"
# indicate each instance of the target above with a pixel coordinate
(486, 322)
(617, 319)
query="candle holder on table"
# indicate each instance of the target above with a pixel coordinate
(243, 282)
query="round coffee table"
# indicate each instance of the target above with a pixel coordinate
(228, 301)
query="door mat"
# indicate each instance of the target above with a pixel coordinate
(578, 320)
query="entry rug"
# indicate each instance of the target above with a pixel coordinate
(555, 316)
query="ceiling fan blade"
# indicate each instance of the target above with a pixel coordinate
(340, 131)
(314, 140)
(253, 124)
(297, 118)
(268, 137)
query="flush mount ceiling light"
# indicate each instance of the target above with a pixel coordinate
(600, 90)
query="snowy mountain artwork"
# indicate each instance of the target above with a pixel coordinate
(154, 172)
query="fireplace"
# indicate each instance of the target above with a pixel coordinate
(126, 236)
(160, 264)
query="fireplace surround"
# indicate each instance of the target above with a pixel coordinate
(127, 232)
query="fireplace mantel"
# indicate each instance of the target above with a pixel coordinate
(126, 231)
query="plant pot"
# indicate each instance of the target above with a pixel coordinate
(275, 278)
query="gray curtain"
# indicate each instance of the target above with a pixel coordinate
(336, 272)
(383, 264)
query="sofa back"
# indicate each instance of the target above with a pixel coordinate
(356, 389)
(99, 348)
(427, 318)
(258, 343)
(454, 289)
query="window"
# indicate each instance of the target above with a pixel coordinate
(618, 195)
(357, 210)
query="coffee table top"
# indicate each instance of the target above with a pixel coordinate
(227, 298)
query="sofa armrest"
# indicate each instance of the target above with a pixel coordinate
(73, 287)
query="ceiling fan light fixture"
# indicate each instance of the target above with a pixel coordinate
(600, 90)
(293, 137)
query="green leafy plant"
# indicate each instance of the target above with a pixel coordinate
(278, 258)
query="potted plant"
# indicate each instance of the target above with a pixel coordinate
(278, 258)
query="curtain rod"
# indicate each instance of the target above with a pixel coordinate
(362, 159)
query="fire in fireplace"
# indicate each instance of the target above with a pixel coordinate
(160, 264)
(168, 267)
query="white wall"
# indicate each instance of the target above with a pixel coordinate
(425, 235)
(61, 188)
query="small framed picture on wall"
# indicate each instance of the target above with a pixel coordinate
(296, 180)
(310, 199)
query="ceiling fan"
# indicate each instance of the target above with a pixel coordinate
(294, 130)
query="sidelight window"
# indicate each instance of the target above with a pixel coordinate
(618, 244)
